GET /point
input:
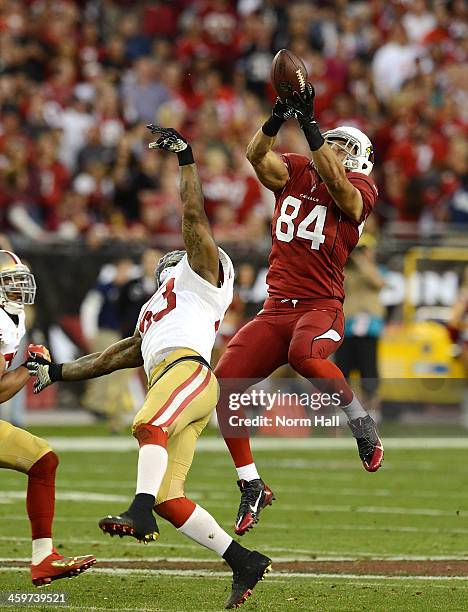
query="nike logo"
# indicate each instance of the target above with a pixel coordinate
(331, 334)
(254, 508)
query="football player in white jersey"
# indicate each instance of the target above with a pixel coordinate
(173, 339)
(20, 450)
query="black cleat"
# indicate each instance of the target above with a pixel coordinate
(244, 580)
(369, 444)
(255, 495)
(124, 524)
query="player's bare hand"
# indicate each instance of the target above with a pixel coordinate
(169, 139)
(303, 104)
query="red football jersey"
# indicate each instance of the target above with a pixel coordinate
(311, 237)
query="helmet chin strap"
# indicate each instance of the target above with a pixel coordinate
(12, 308)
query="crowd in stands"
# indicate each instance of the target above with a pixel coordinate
(79, 81)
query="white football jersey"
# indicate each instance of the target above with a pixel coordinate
(185, 312)
(10, 335)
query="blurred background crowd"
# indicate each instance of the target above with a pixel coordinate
(79, 81)
(82, 196)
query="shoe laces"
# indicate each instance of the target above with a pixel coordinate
(249, 495)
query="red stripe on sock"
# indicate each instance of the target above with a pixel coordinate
(150, 434)
(177, 511)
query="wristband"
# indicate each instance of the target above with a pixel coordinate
(185, 157)
(55, 371)
(272, 126)
(313, 136)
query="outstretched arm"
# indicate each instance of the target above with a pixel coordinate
(202, 251)
(121, 355)
(268, 166)
(326, 161)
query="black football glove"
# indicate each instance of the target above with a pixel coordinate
(46, 372)
(170, 140)
(303, 104)
(280, 113)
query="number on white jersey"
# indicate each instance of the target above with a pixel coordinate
(318, 215)
(151, 317)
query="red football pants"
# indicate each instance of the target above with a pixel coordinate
(303, 335)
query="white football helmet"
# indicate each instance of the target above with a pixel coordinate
(359, 149)
(17, 284)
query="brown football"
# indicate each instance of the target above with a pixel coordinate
(288, 74)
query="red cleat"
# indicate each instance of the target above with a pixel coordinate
(370, 446)
(255, 495)
(57, 566)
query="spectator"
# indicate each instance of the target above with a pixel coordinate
(143, 93)
(394, 63)
(364, 314)
(137, 291)
(106, 397)
(93, 76)
(458, 328)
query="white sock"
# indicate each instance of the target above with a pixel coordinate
(41, 548)
(354, 410)
(201, 527)
(152, 465)
(248, 472)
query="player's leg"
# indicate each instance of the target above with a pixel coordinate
(186, 393)
(366, 351)
(316, 336)
(23, 452)
(197, 524)
(254, 353)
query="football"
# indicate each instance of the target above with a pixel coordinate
(288, 74)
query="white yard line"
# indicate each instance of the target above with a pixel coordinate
(310, 558)
(273, 576)
(102, 444)
(92, 496)
(362, 509)
(311, 554)
(105, 541)
(279, 526)
(82, 496)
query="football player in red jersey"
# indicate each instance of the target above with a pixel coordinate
(321, 206)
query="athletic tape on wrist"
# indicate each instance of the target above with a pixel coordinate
(272, 126)
(313, 135)
(185, 157)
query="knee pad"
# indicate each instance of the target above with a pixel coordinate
(150, 434)
(45, 466)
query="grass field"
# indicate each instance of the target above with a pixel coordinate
(340, 538)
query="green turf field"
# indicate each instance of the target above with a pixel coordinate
(328, 509)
